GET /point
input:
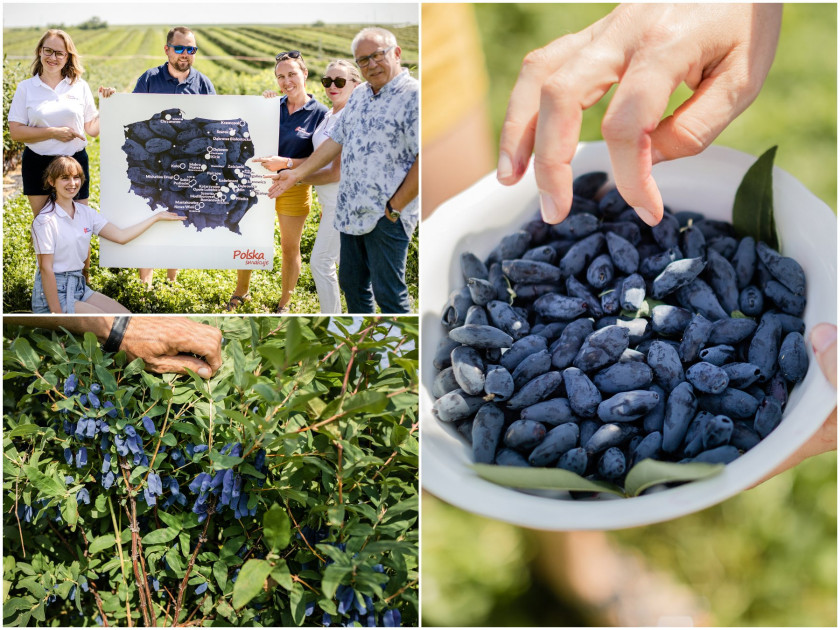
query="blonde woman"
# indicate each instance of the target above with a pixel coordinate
(50, 113)
(340, 79)
(300, 114)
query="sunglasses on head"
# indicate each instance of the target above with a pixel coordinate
(292, 54)
(328, 81)
(179, 50)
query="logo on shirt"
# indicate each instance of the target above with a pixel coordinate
(87, 229)
(303, 131)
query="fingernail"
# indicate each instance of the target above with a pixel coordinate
(646, 215)
(504, 170)
(550, 214)
(822, 337)
(204, 372)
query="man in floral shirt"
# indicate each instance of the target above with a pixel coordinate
(378, 139)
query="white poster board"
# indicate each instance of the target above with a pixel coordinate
(189, 154)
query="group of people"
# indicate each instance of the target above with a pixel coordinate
(360, 155)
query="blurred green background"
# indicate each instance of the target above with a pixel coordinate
(767, 557)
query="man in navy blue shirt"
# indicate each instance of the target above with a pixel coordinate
(176, 76)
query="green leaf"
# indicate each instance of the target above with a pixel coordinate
(159, 536)
(332, 577)
(541, 479)
(109, 383)
(281, 574)
(46, 486)
(135, 367)
(103, 542)
(26, 354)
(220, 572)
(752, 212)
(368, 401)
(277, 528)
(23, 429)
(223, 462)
(297, 604)
(240, 375)
(250, 582)
(70, 511)
(649, 472)
(335, 515)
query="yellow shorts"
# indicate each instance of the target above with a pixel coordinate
(295, 202)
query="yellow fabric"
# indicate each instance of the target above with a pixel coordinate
(295, 202)
(453, 75)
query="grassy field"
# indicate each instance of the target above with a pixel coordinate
(238, 60)
(767, 557)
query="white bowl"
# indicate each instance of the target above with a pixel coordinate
(477, 219)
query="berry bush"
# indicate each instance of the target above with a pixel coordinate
(282, 491)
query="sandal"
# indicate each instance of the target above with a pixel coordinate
(236, 301)
(282, 310)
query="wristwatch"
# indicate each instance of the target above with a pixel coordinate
(290, 164)
(391, 213)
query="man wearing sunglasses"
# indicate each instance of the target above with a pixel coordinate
(176, 76)
(378, 140)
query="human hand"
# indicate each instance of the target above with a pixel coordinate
(169, 216)
(270, 94)
(723, 52)
(166, 344)
(106, 92)
(824, 343)
(65, 134)
(282, 182)
(273, 163)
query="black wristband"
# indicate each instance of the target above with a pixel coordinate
(117, 333)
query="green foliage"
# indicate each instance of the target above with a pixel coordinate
(324, 413)
(93, 23)
(13, 73)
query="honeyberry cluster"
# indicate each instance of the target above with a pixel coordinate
(357, 607)
(599, 342)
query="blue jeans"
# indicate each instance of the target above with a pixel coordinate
(373, 267)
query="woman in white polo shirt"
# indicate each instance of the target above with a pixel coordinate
(61, 236)
(50, 113)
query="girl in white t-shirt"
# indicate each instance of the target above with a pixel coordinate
(325, 252)
(61, 236)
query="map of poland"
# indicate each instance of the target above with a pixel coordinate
(194, 167)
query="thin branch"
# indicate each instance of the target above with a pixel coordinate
(401, 591)
(182, 589)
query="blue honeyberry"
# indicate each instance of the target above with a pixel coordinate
(149, 425)
(68, 456)
(201, 588)
(83, 496)
(70, 385)
(199, 448)
(81, 457)
(93, 399)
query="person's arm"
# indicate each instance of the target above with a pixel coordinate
(323, 155)
(330, 174)
(723, 52)
(92, 127)
(23, 133)
(409, 188)
(126, 234)
(156, 340)
(277, 162)
(45, 264)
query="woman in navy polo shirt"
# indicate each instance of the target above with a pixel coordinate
(300, 114)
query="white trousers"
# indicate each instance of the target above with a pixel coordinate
(323, 262)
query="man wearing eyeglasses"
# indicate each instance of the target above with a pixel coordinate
(176, 76)
(378, 139)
